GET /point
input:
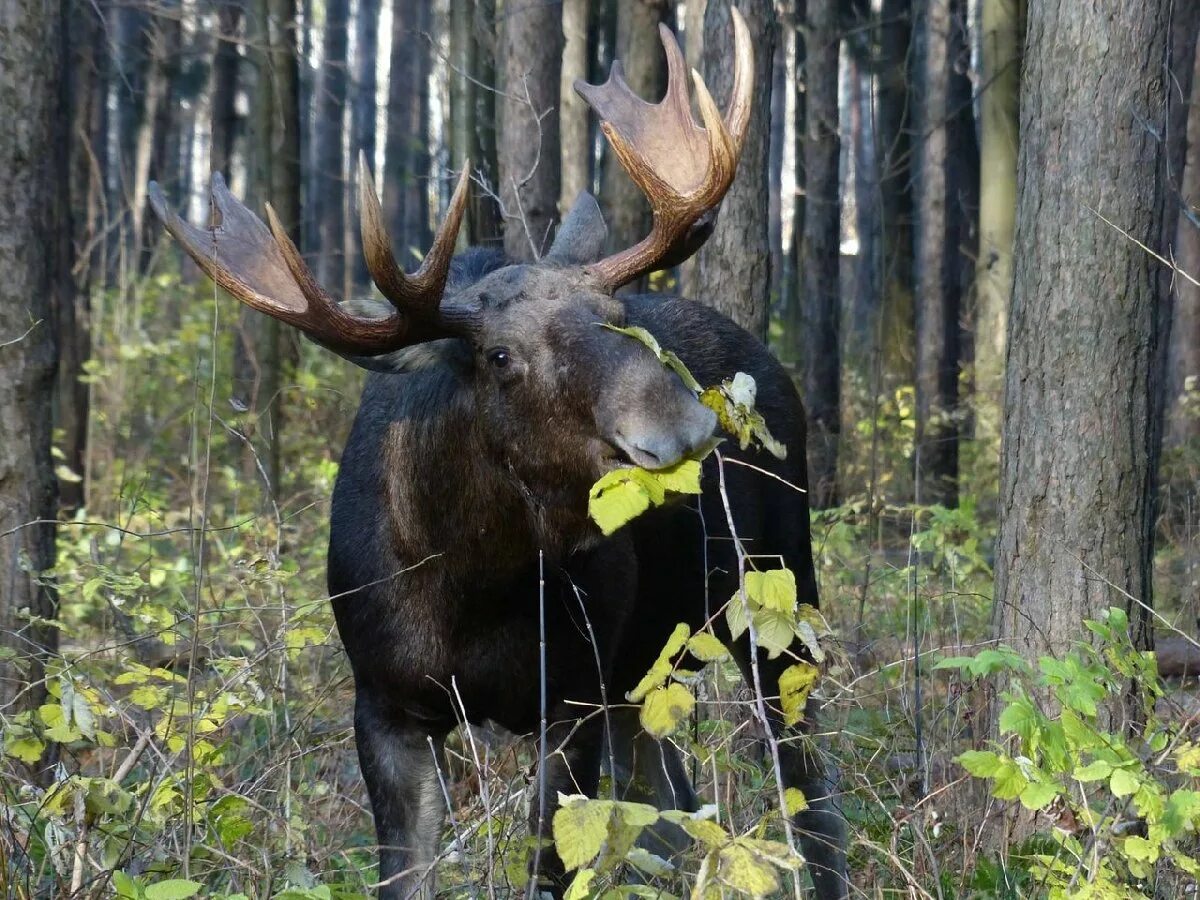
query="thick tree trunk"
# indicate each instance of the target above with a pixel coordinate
(944, 146)
(820, 257)
(575, 119)
(362, 122)
(640, 51)
(1000, 77)
(732, 272)
(406, 162)
(34, 232)
(461, 137)
(531, 40)
(1081, 430)
(331, 191)
(894, 120)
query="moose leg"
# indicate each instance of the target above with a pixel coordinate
(401, 771)
(649, 771)
(820, 827)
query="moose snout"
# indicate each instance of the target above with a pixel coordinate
(658, 439)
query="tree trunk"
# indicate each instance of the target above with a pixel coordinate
(363, 113)
(224, 126)
(732, 272)
(461, 137)
(34, 233)
(1000, 77)
(1183, 422)
(264, 351)
(331, 194)
(574, 126)
(820, 257)
(895, 175)
(945, 143)
(1081, 431)
(406, 162)
(531, 49)
(485, 214)
(640, 51)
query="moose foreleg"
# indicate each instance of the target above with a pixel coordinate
(400, 763)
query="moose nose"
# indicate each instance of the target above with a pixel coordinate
(656, 443)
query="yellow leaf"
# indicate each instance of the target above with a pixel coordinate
(741, 869)
(707, 832)
(27, 749)
(616, 499)
(665, 708)
(706, 648)
(795, 684)
(795, 801)
(773, 589)
(661, 670)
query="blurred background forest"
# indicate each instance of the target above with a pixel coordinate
(963, 225)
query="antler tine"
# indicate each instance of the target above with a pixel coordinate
(421, 292)
(261, 267)
(684, 170)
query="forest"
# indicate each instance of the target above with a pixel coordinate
(969, 231)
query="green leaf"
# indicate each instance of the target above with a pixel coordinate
(955, 662)
(1036, 795)
(616, 499)
(741, 869)
(705, 831)
(173, 889)
(1096, 770)
(1141, 849)
(795, 684)
(126, 887)
(735, 616)
(1020, 717)
(580, 828)
(774, 630)
(681, 478)
(980, 763)
(660, 671)
(26, 749)
(1009, 781)
(665, 708)
(581, 884)
(706, 648)
(773, 589)
(1122, 783)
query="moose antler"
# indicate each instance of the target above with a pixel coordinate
(261, 267)
(684, 170)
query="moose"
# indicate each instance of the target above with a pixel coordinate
(460, 537)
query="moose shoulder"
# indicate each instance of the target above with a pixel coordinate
(460, 534)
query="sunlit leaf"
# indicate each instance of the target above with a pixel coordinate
(665, 708)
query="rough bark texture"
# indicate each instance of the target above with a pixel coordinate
(943, 150)
(462, 100)
(485, 214)
(1183, 424)
(531, 41)
(574, 123)
(1000, 77)
(330, 199)
(1081, 440)
(820, 256)
(406, 161)
(732, 272)
(33, 175)
(640, 51)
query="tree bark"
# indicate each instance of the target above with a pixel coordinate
(224, 123)
(461, 137)
(484, 211)
(531, 49)
(331, 194)
(362, 120)
(1183, 422)
(732, 272)
(34, 231)
(640, 51)
(893, 116)
(574, 127)
(1081, 431)
(945, 144)
(1000, 79)
(406, 162)
(820, 257)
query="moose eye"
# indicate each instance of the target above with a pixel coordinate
(499, 358)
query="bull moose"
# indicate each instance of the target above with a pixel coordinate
(460, 534)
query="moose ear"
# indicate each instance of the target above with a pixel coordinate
(582, 235)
